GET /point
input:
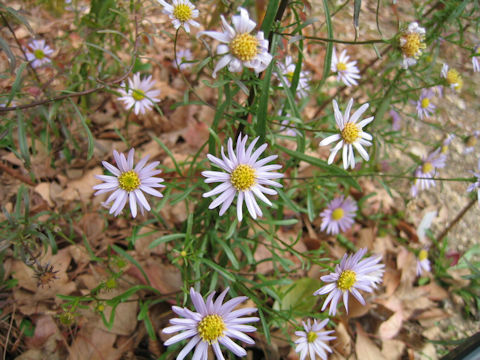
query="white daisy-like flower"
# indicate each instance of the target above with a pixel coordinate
(313, 340)
(412, 43)
(129, 183)
(140, 95)
(476, 59)
(287, 71)
(350, 276)
(476, 184)
(424, 105)
(351, 135)
(454, 79)
(182, 13)
(339, 215)
(240, 48)
(213, 324)
(423, 264)
(183, 59)
(245, 175)
(346, 70)
(427, 171)
(37, 53)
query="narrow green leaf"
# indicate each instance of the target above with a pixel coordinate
(18, 16)
(17, 83)
(228, 251)
(169, 153)
(22, 139)
(328, 54)
(218, 269)
(165, 239)
(331, 169)
(11, 57)
(269, 18)
(356, 12)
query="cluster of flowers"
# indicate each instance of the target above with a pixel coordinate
(215, 323)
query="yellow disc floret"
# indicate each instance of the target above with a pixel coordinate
(454, 78)
(337, 214)
(422, 255)
(311, 336)
(413, 44)
(39, 54)
(244, 47)
(182, 12)
(211, 327)
(427, 168)
(425, 103)
(346, 280)
(129, 181)
(350, 133)
(290, 76)
(341, 66)
(138, 94)
(243, 177)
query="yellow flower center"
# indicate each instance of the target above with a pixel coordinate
(182, 12)
(337, 214)
(413, 45)
(350, 133)
(311, 336)
(444, 149)
(243, 177)
(425, 103)
(129, 181)
(138, 94)
(478, 50)
(211, 328)
(39, 54)
(341, 66)
(427, 168)
(422, 255)
(290, 76)
(244, 47)
(453, 77)
(346, 280)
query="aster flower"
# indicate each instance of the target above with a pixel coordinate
(37, 53)
(240, 48)
(454, 79)
(347, 71)
(129, 183)
(423, 264)
(182, 13)
(412, 43)
(471, 142)
(213, 324)
(287, 71)
(313, 341)
(427, 171)
(245, 175)
(350, 276)
(396, 120)
(476, 59)
(338, 216)
(182, 59)
(351, 135)
(424, 105)
(476, 184)
(140, 95)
